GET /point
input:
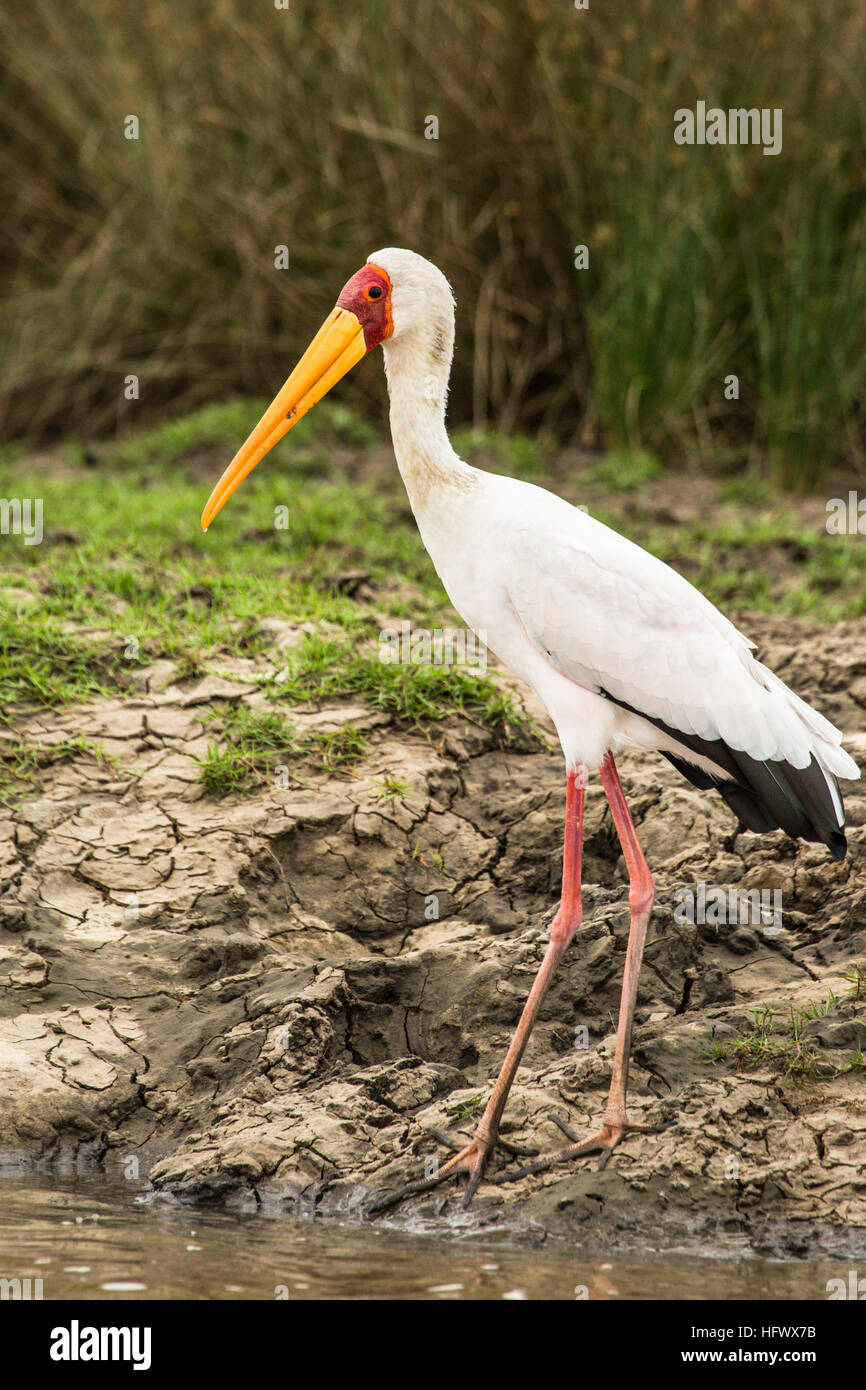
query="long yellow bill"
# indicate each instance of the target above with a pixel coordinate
(336, 348)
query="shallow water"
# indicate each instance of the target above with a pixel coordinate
(95, 1239)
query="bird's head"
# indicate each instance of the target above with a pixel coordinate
(397, 298)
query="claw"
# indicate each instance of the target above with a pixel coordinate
(472, 1155)
(472, 1185)
(456, 1146)
(605, 1141)
(515, 1150)
(446, 1140)
(567, 1130)
(391, 1199)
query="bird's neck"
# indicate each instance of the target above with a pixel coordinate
(417, 369)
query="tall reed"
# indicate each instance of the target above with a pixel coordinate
(305, 127)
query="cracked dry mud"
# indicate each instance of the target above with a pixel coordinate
(247, 996)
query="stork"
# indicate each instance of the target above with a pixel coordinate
(622, 651)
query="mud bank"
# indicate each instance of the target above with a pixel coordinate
(267, 1000)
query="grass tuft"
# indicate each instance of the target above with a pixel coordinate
(326, 668)
(20, 762)
(776, 1041)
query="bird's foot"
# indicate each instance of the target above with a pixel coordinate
(471, 1158)
(603, 1142)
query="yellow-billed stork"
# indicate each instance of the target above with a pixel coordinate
(620, 649)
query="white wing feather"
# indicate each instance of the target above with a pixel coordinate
(613, 618)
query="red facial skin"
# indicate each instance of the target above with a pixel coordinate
(368, 295)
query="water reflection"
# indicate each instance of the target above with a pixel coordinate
(93, 1239)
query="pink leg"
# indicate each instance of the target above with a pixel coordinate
(615, 1123)
(473, 1156)
(640, 900)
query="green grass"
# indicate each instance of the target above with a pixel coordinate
(467, 1111)
(776, 1040)
(809, 380)
(224, 425)
(326, 668)
(341, 747)
(329, 669)
(19, 762)
(519, 455)
(856, 978)
(124, 576)
(256, 744)
(135, 574)
(766, 560)
(251, 742)
(624, 470)
(40, 663)
(391, 789)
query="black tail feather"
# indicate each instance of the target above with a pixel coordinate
(770, 795)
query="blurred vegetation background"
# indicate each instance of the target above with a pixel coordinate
(261, 126)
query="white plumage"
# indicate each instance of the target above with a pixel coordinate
(573, 608)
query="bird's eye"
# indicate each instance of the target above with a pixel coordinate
(374, 292)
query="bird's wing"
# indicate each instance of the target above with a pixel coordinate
(616, 620)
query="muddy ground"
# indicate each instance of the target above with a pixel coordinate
(252, 1000)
